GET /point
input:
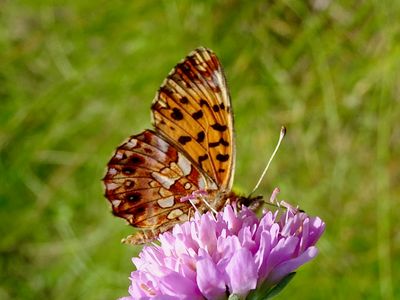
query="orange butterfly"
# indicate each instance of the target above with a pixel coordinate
(189, 155)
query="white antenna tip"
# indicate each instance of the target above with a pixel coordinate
(283, 131)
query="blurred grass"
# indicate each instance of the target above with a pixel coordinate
(76, 79)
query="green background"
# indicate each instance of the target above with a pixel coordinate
(76, 79)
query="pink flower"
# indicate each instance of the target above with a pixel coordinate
(214, 256)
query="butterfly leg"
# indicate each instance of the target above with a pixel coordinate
(193, 195)
(141, 237)
(208, 204)
(191, 213)
(146, 236)
(199, 194)
(190, 198)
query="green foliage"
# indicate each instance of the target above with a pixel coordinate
(265, 291)
(76, 79)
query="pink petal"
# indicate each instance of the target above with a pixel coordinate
(290, 265)
(242, 273)
(209, 279)
(175, 284)
(281, 252)
(262, 255)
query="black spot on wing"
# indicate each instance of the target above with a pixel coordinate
(202, 158)
(184, 67)
(197, 115)
(176, 114)
(222, 157)
(215, 108)
(133, 197)
(135, 159)
(200, 136)
(138, 211)
(128, 170)
(219, 127)
(220, 142)
(184, 100)
(204, 103)
(183, 139)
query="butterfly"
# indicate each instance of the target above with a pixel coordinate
(190, 154)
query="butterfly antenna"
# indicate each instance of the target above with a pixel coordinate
(281, 136)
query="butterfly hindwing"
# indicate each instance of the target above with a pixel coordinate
(146, 178)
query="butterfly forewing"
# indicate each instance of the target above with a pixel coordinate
(145, 179)
(193, 109)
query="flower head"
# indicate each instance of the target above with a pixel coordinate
(212, 256)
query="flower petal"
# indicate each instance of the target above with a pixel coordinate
(290, 265)
(210, 279)
(262, 255)
(242, 273)
(178, 286)
(233, 252)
